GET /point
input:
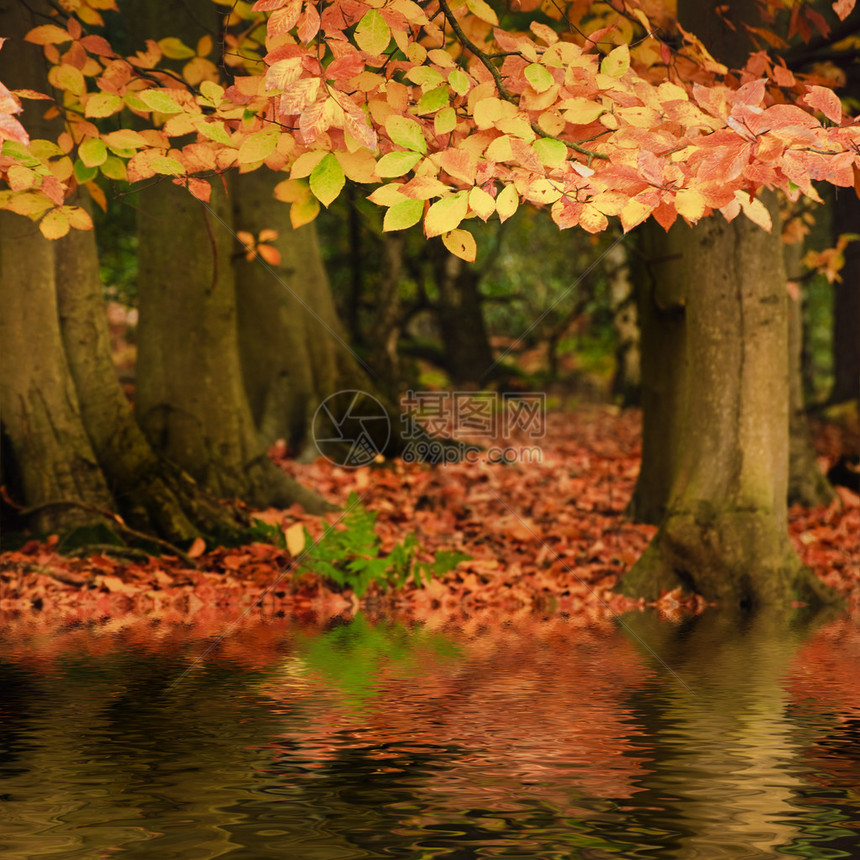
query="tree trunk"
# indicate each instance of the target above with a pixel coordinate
(807, 485)
(627, 379)
(661, 298)
(53, 460)
(724, 534)
(468, 355)
(293, 349)
(153, 495)
(190, 398)
(846, 303)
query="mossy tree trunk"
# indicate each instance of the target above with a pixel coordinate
(724, 533)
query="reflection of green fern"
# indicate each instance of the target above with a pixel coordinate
(352, 557)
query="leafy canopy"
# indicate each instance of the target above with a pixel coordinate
(449, 109)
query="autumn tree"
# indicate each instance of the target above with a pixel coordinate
(594, 111)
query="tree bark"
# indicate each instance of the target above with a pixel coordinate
(661, 298)
(53, 460)
(627, 379)
(468, 354)
(293, 349)
(152, 494)
(190, 398)
(724, 534)
(807, 485)
(846, 303)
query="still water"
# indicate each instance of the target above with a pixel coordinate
(531, 739)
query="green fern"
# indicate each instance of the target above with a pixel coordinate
(351, 556)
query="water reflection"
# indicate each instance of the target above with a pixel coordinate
(542, 739)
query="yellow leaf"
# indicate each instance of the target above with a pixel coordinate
(690, 204)
(445, 215)
(304, 211)
(372, 33)
(755, 210)
(304, 165)
(616, 62)
(461, 243)
(175, 49)
(507, 202)
(482, 10)
(55, 224)
(482, 203)
(295, 539)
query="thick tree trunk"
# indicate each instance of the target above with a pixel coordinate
(153, 495)
(190, 398)
(724, 534)
(661, 298)
(53, 460)
(846, 303)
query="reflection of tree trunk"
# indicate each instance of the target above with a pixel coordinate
(468, 355)
(846, 303)
(725, 745)
(807, 485)
(725, 531)
(660, 290)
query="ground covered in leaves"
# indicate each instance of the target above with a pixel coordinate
(548, 537)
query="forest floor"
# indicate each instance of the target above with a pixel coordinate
(544, 538)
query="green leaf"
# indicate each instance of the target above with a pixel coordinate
(616, 62)
(459, 82)
(434, 99)
(83, 173)
(403, 215)
(446, 214)
(539, 77)
(445, 121)
(166, 165)
(103, 104)
(257, 147)
(551, 152)
(372, 33)
(406, 132)
(327, 180)
(93, 152)
(160, 100)
(397, 163)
